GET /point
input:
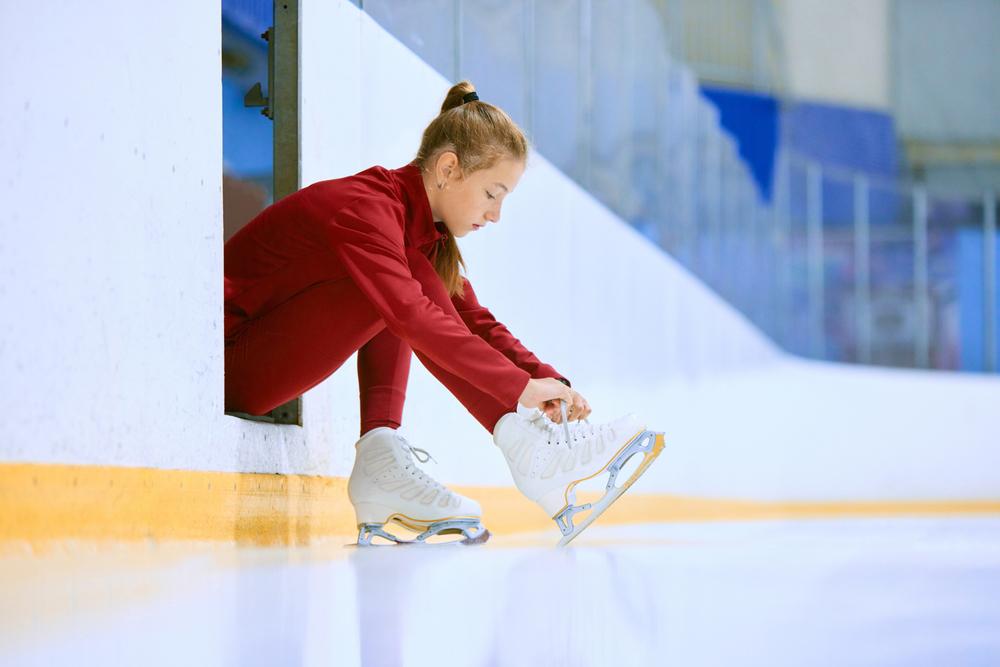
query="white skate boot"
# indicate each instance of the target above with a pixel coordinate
(547, 468)
(385, 485)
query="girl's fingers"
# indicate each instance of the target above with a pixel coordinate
(576, 407)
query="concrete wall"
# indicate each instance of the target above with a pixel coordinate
(111, 337)
(111, 275)
(946, 66)
(837, 51)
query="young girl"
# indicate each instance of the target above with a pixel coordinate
(369, 264)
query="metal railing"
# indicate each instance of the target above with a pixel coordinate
(885, 272)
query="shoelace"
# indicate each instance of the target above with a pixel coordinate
(556, 432)
(416, 452)
(579, 429)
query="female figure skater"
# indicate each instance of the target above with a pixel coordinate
(369, 264)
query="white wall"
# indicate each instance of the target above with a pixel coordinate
(837, 51)
(111, 238)
(111, 274)
(946, 65)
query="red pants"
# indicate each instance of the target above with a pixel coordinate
(290, 349)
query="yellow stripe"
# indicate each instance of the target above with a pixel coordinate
(40, 503)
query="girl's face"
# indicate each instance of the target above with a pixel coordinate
(467, 203)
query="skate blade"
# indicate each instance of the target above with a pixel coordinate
(472, 532)
(611, 496)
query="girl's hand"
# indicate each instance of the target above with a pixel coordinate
(577, 408)
(539, 392)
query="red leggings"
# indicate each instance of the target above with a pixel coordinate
(290, 349)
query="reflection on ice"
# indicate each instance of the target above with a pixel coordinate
(505, 607)
(852, 592)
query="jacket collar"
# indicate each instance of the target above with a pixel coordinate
(421, 229)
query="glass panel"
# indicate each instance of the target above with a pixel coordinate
(647, 66)
(797, 315)
(894, 316)
(494, 31)
(612, 56)
(677, 141)
(557, 95)
(947, 283)
(595, 89)
(427, 27)
(247, 155)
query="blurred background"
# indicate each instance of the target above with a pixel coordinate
(830, 169)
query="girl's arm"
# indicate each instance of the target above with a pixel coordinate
(366, 236)
(482, 323)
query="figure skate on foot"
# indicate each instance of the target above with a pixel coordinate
(386, 486)
(547, 467)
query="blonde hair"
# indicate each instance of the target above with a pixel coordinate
(481, 135)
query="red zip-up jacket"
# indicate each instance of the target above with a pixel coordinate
(357, 227)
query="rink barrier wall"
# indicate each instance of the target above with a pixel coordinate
(46, 503)
(128, 257)
(115, 356)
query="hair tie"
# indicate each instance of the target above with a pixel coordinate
(469, 97)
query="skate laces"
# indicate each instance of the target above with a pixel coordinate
(580, 430)
(409, 450)
(416, 451)
(554, 432)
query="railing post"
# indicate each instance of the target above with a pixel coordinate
(783, 279)
(284, 102)
(751, 288)
(718, 209)
(814, 220)
(990, 279)
(921, 347)
(862, 269)
(721, 261)
(771, 262)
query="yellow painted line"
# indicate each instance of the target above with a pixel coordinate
(43, 503)
(505, 510)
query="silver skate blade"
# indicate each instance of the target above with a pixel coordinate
(649, 454)
(368, 531)
(472, 531)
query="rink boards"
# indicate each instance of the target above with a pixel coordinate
(50, 502)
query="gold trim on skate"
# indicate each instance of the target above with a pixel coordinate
(420, 525)
(610, 461)
(647, 460)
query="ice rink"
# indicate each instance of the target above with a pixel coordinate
(821, 592)
(767, 228)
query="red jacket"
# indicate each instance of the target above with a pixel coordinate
(357, 227)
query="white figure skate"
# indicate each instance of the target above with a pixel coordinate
(548, 461)
(386, 486)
